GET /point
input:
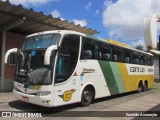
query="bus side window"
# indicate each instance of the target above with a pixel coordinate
(149, 60)
(63, 68)
(104, 51)
(89, 49)
(116, 54)
(127, 55)
(142, 59)
(87, 54)
(68, 57)
(135, 58)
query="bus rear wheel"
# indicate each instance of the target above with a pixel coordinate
(140, 87)
(145, 86)
(87, 97)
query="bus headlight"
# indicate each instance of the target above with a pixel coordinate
(43, 93)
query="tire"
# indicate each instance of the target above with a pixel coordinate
(140, 87)
(86, 97)
(144, 87)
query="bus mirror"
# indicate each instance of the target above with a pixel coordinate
(8, 53)
(48, 54)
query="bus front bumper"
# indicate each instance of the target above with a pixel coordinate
(46, 101)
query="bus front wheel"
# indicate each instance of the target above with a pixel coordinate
(87, 97)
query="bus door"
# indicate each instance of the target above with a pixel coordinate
(66, 85)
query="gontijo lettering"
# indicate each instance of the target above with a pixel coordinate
(137, 69)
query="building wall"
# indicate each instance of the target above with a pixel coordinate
(0, 51)
(156, 69)
(13, 40)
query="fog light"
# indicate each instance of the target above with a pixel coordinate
(43, 93)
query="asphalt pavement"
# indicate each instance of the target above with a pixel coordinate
(125, 106)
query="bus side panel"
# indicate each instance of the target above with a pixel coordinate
(125, 77)
(67, 92)
(113, 77)
(86, 72)
(132, 74)
(89, 71)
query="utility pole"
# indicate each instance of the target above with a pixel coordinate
(118, 37)
(159, 57)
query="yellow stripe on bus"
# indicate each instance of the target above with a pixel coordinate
(131, 81)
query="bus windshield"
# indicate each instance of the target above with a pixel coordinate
(42, 41)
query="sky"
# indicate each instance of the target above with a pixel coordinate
(121, 20)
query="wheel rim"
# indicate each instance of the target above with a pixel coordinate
(86, 96)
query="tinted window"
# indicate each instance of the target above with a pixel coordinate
(42, 41)
(104, 51)
(142, 59)
(68, 57)
(89, 49)
(127, 55)
(135, 58)
(149, 60)
(117, 54)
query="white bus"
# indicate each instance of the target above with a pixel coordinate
(60, 67)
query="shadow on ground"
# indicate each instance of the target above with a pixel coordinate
(59, 111)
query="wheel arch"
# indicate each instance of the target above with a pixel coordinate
(140, 82)
(84, 86)
(146, 81)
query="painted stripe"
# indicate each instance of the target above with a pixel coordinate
(118, 77)
(125, 77)
(131, 81)
(109, 77)
(37, 87)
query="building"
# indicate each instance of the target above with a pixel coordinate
(156, 69)
(17, 22)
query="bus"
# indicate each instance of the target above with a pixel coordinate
(61, 67)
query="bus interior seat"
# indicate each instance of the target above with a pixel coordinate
(126, 59)
(115, 58)
(87, 54)
(136, 61)
(100, 55)
(106, 56)
(148, 62)
(141, 62)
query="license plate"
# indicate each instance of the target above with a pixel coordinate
(24, 98)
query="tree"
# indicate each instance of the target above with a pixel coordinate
(139, 47)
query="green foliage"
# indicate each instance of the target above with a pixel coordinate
(139, 47)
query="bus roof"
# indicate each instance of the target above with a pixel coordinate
(56, 31)
(116, 43)
(109, 41)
